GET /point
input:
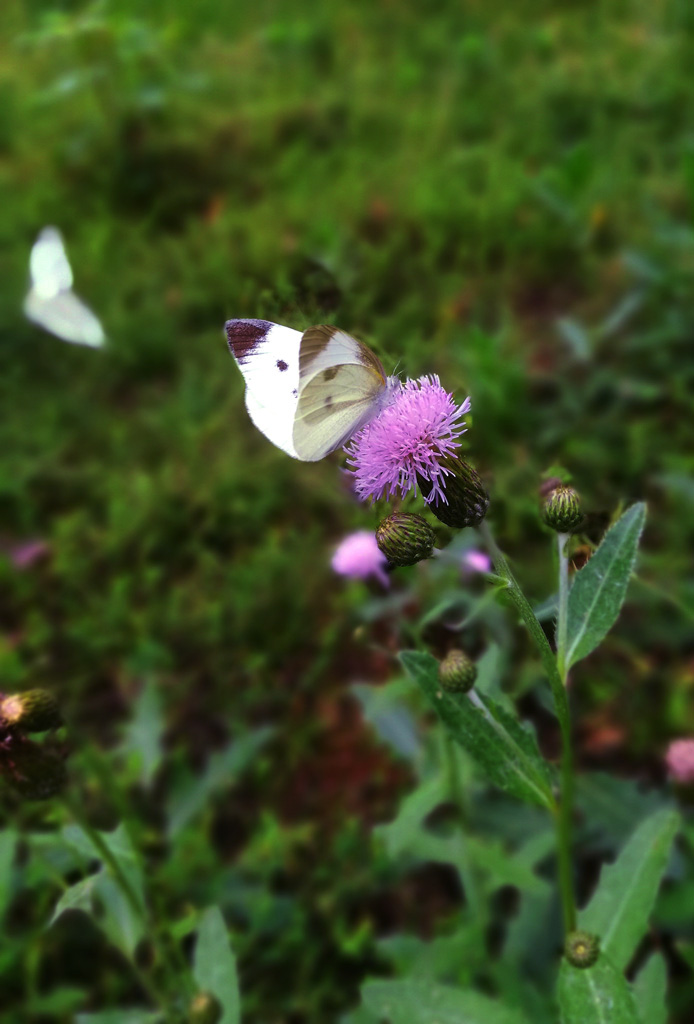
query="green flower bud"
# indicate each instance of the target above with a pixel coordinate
(457, 672)
(32, 711)
(205, 1009)
(36, 772)
(582, 949)
(562, 510)
(467, 502)
(405, 538)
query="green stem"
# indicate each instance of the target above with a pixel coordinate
(522, 605)
(557, 681)
(562, 541)
(565, 814)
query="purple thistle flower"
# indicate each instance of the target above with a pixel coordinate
(680, 761)
(359, 557)
(407, 440)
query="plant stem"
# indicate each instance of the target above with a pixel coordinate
(557, 680)
(562, 541)
(565, 813)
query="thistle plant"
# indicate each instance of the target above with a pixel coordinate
(415, 446)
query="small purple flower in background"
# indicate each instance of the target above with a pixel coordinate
(408, 440)
(476, 561)
(680, 760)
(359, 557)
(24, 555)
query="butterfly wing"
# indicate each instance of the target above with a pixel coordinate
(48, 264)
(324, 348)
(267, 355)
(340, 385)
(65, 316)
(333, 404)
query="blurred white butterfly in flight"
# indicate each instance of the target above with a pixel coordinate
(51, 302)
(308, 393)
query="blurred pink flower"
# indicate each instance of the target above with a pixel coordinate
(680, 760)
(24, 555)
(407, 440)
(359, 557)
(476, 561)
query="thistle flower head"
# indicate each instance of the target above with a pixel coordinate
(680, 761)
(405, 444)
(359, 557)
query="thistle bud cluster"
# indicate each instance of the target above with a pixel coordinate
(35, 770)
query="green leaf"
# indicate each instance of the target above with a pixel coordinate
(78, 897)
(143, 734)
(500, 745)
(650, 989)
(622, 903)
(123, 926)
(399, 834)
(214, 964)
(419, 1002)
(119, 1017)
(222, 769)
(599, 588)
(8, 842)
(595, 995)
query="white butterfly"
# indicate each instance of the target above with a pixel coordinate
(308, 393)
(51, 302)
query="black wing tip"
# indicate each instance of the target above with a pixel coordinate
(244, 335)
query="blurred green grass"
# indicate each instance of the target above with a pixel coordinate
(499, 193)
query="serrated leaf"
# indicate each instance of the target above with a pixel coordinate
(419, 1002)
(599, 588)
(650, 990)
(214, 964)
(499, 744)
(626, 892)
(595, 995)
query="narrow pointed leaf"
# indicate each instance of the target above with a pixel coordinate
(214, 965)
(500, 745)
(622, 903)
(595, 995)
(599, 588)
(650, 987)
(419, 1002)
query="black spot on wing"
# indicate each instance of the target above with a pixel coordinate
(330, 372)
(281, 365)
(244, 335)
